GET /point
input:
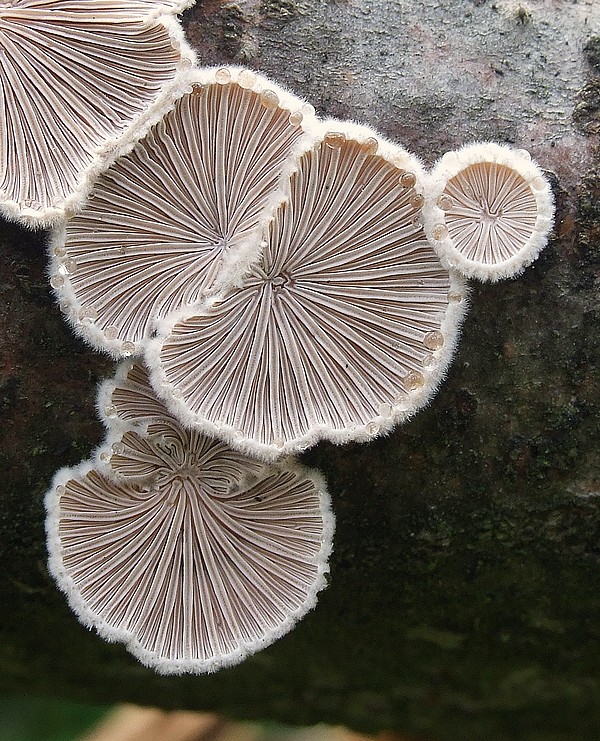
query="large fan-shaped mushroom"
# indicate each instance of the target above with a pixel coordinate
(187, 202)
(184, 549)
(76, 76)
(345, 325)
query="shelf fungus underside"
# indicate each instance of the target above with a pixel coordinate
(490, 211)
(344, 327)
(75, 76)
(192, 554)
(285, 280)
(164, 218)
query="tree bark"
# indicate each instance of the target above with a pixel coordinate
(465, 585)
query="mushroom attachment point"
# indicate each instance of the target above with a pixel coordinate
(488, 210)
(341, 329)
(183, 207)
(185, 550)
(76, 77)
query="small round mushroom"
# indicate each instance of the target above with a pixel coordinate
(76, 78)
(185, 550)
(184, 206)
(488, 211)
(342, 329)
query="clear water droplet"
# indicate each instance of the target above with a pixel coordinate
(538, 184)
(246, 79)
(223, 76)
(439, 232)
(429, 361)
(450, 159)
(407, 179)
(111, 333)
(370, 145)
(334, 139)
(414, 380)
(385, 410)
(269, 99)
(87, 315)
(433, 340)
(445, 202)
(417, 201)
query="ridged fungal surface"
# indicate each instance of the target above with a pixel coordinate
(186, 205)
(302, 277)
(489, 210)
(342, 328)
(190, 553)
(75, 75)
(286, 279)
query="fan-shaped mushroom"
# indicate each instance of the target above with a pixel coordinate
(342, 329)
(184, 549)
(185, 205)
(76, 77)
(489, 210)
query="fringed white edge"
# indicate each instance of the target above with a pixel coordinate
(176, 9)
(151, 659)
(518, 160)
(379, 425)
(90, 619)
(110, 149)
(236, 265)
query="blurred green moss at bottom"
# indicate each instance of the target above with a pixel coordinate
(37, 719)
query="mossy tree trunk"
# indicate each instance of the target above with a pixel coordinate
(465, 587)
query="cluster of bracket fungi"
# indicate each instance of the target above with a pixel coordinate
(267, 278)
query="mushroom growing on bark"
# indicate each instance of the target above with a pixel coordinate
(190, 553)
(343, 326)
(489, 210)
(186, 204)
(76, 77)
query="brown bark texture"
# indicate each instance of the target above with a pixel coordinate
(464, 596)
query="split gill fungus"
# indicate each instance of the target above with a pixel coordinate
(344, 324)
(185, 550)
(277, 279)
(76, 79)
